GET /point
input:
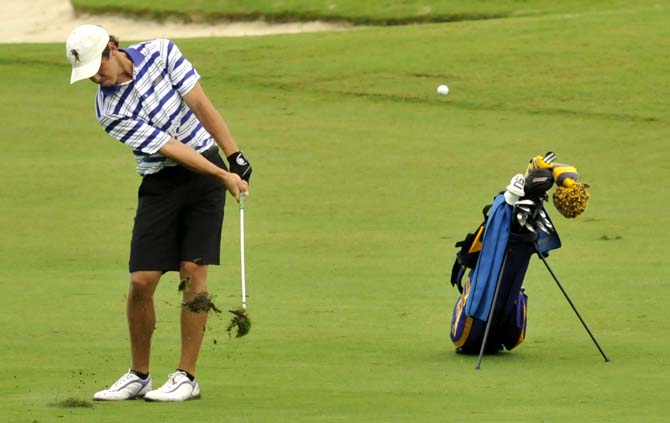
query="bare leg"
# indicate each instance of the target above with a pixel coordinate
(141, 316)
(193, 325)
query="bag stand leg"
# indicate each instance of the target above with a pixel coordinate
(537, 250)
(493, 306)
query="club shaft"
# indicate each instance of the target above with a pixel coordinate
(242, 268)
(490, 318)
(553, 275)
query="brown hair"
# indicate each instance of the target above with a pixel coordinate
(112, 39)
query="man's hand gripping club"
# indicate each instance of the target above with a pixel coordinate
(189, 158)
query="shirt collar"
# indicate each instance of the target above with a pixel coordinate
(136, 57)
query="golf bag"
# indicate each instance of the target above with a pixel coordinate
(489, 271)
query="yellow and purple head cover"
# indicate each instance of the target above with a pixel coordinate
(571, 196)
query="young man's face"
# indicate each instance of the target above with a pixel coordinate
(109, 69)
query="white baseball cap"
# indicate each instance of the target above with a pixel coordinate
(83, 49)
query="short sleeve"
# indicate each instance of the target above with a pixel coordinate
(181, 72)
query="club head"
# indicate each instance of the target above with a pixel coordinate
(542, 227)
(240, 321)
(526, 202)
(547, 223)
(521, 218)
(239, 312)
(529, 227)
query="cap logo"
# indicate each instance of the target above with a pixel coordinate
(75, 53)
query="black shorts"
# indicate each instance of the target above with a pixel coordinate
(179, 218)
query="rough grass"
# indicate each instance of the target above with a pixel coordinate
(363, 180)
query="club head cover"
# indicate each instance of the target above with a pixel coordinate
(515, 189)
(538, 182)
(571, 196)
(564, 175)
(539, 162)
(571, 201)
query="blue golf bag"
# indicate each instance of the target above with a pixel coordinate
(489, 272)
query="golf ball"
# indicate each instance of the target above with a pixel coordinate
(443, 90)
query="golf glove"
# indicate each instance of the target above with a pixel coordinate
(240, 165)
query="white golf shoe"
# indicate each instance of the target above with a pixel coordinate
(177, 388)
(129, 386)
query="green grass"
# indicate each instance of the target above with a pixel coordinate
(363, 180)
(355, 11)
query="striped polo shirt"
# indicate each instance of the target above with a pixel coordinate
(147, 111)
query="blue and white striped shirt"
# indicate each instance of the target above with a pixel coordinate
(147, 111)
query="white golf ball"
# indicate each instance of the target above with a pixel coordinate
(443, 90)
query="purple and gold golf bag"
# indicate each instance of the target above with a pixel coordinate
(491, 265)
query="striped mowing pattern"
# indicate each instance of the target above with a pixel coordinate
(149, 110)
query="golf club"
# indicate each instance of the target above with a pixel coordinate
(240, 318)
(242, 261)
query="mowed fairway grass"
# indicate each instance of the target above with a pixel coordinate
(363, 181)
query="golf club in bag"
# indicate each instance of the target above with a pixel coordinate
(491, 312)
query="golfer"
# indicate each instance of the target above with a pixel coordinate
(149, 98)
